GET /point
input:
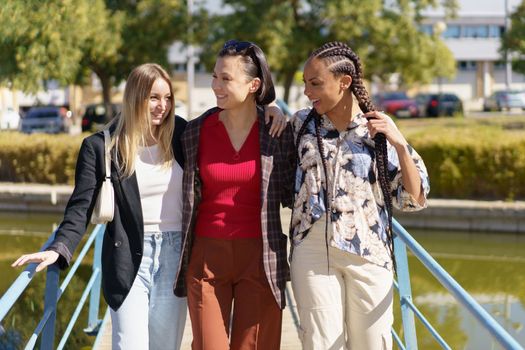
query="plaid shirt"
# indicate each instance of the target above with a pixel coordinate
(277, 178)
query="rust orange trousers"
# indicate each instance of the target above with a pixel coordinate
(225, 274)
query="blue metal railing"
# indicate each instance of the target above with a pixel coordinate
(46, 325)
(403, 240)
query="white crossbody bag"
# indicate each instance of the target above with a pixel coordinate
(105, 205)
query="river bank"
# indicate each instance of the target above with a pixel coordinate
(447, 214)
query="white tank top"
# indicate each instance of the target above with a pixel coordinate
(160, 191)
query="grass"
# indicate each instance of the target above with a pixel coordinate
(495, 128)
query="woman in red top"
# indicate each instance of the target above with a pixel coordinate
(235, 178)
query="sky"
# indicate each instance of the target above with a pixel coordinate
(214, 6)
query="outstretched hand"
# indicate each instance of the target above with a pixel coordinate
(44, 259)
(279, 119)
(379, 122)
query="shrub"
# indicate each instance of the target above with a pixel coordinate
(466, 159)
(38, 158)
(473, 161)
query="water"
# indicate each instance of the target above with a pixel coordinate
(489, 266)
(26, 233)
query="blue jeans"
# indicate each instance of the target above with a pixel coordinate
(152, 317)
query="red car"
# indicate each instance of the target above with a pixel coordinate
(397, 104)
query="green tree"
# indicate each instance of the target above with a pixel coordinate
(385, 36)
(513, 40)
(67, 39)
(140, 31)
(39, 41)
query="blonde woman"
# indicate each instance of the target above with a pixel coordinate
(141, 250)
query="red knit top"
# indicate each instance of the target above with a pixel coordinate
(230, 207)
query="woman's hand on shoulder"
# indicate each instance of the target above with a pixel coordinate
(379, 122)
(279, 119)
(44, 259)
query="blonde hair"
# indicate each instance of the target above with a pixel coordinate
(135, 121)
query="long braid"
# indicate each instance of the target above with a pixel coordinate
(301, 132)
(340, 59)
(317, 121)
(359, 90)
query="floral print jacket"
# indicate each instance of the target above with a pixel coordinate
(358, 217)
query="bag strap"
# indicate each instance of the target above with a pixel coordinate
(107, 154)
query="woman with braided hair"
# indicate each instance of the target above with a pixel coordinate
(352, 168)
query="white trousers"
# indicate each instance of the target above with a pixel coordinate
(152, 317)
(346, 306)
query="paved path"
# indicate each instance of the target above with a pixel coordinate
(289, 340)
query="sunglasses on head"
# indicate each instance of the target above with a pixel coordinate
(238, 46)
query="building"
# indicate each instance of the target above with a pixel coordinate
(474, 39)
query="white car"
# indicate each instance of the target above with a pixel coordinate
(9, 119)
(501, 100)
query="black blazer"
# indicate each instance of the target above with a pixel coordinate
(123, 240)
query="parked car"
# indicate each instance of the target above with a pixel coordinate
(49, 119)
(396, 103)
(9, 119)
(434, 105)
(500, 100)
(95, 117)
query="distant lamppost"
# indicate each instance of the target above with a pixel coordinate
(438, 29)
(508, 66)
(190, 64)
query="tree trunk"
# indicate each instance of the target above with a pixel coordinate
(105, 81)
(288, 81)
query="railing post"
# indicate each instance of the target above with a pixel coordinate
(50, 303)
(405, 293)
(94, 298)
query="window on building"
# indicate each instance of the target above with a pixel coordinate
(179, 67)
(452, 31)
(499, 65)
(200, 67)
(182, 67)
(480, 31)
(467, 65)
(426, 28)
(496, 31)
